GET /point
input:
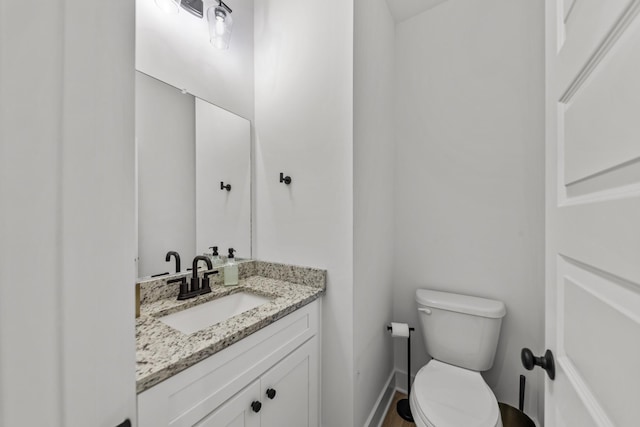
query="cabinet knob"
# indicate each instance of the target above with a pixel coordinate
(256, 406)
(271, 393)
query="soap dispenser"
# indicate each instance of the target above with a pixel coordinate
(216, 260)
(231, 270)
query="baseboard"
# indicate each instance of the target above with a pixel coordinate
(379, 410)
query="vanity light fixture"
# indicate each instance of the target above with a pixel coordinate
(171, 7)
(218, 17)
(220, 25)
(194, 7)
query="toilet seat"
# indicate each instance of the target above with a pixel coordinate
(448, 396)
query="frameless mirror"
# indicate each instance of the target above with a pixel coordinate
(193, 177)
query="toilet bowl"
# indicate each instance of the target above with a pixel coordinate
(448, 396)
(461, 334)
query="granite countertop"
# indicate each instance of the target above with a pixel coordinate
(162, 351)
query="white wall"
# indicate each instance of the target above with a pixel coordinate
(176, 50)
(373, 210)
(470, 195)
(165, 132)
(405, 9)
(304, 128)
(29, 197)
(67, 349)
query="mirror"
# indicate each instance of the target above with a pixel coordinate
(188, 152)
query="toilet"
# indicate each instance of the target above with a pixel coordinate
(461, 335)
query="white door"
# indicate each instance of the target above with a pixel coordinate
(593, 212)
(67, 329)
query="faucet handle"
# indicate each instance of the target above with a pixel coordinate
(205, 288)
(206, 281)
(184, 288)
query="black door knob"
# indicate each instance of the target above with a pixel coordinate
(256, 406)
(125, 423)
(546, 362)
(271, 393)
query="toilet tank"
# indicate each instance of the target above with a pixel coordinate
(460, 330)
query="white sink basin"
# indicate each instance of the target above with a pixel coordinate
(204, 315)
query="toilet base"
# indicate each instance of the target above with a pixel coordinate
(404, 410)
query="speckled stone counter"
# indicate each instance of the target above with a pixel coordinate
(162, 351)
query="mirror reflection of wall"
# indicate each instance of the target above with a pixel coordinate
(185, 148)
(223, 218)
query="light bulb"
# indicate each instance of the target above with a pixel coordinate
(219, 26)
(220, 23)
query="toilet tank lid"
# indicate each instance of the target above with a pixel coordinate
(461, 303)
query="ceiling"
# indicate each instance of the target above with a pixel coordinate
(405, 9)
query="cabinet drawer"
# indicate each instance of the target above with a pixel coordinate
(190, 395)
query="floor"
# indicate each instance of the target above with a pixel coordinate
(392, 419)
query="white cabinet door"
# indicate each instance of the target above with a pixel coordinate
(293, 385)
(237, 411)
(593, 212)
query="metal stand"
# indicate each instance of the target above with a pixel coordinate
(402, 407)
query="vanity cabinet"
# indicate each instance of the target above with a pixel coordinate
(276, 367)
(279, 398)
(237, 411)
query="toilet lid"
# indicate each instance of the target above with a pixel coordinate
(447, 396)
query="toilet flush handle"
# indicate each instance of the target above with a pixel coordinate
(424, 310)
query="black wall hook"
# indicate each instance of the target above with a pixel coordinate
(285, 179)
(225, 187)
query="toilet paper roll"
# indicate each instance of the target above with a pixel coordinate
(399, 330)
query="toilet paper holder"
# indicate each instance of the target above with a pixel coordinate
(402, 407)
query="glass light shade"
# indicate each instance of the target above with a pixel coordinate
(171, 7)
(220, 24)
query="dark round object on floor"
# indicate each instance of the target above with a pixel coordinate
(404, 410)
(511, 417)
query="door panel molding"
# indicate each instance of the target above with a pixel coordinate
(591, 31)
(581, 394)
(604, 235)
(597, 313)
(622, 180)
